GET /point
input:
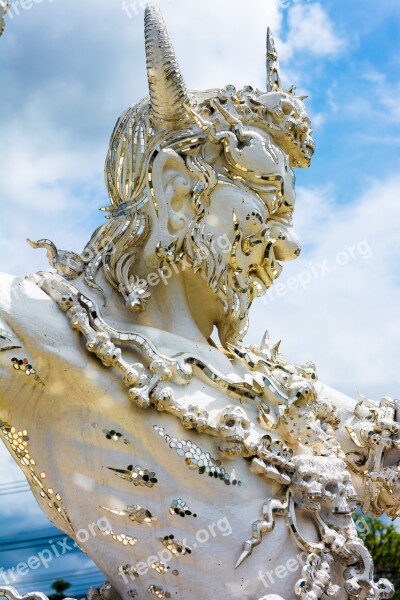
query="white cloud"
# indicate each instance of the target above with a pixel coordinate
(46, 184)
(345, 320)
(216, 45)
(318, 119)
(375, 103)
(386, 95)
(310, 31)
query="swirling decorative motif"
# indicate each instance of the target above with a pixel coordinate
(272, 507)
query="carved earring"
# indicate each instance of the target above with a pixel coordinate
(136, 293)
(167, 254)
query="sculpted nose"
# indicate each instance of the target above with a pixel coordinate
(287, 245)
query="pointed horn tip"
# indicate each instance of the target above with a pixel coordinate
(166, 84)
(270, 36)
(152, 8)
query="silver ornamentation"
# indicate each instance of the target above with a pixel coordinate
(8, 340)
(122, 538)
(316, 578)
(233, 428)
(10, 593)
(375, 431)
(17, 442)
(23, 365)
(135, 513)
(196, 458)
(179, 507)
(177, 547)
(136, 475)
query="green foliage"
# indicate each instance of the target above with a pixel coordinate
(383, 542)
(60, 586)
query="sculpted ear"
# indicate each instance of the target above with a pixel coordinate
(172, 185)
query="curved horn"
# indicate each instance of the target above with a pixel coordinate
(273, 77)
(166, 86)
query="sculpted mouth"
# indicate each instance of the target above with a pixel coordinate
(264, 275)
(234, 439)
(232, 450)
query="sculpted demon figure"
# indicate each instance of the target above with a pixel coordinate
(123, 413)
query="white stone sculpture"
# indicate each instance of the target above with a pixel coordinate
(185, 469)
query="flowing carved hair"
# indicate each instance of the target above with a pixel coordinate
(114, 246)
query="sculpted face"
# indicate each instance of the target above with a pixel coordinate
(205, 176)
(246, 226)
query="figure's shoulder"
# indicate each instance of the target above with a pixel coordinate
(27, 312)
(14, 289)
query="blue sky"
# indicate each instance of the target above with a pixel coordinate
(69, 68)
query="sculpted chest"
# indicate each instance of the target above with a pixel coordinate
(164, 496)
(141, 442)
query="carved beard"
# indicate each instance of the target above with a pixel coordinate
(215, 265)
(233, 327)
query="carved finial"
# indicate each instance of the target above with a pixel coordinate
(275, 350)
(265, 343)
(273, 77)
(166, 86)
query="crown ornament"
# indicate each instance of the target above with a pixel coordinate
(174, 115)
(279, 112)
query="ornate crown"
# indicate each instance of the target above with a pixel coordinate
(172, 112)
